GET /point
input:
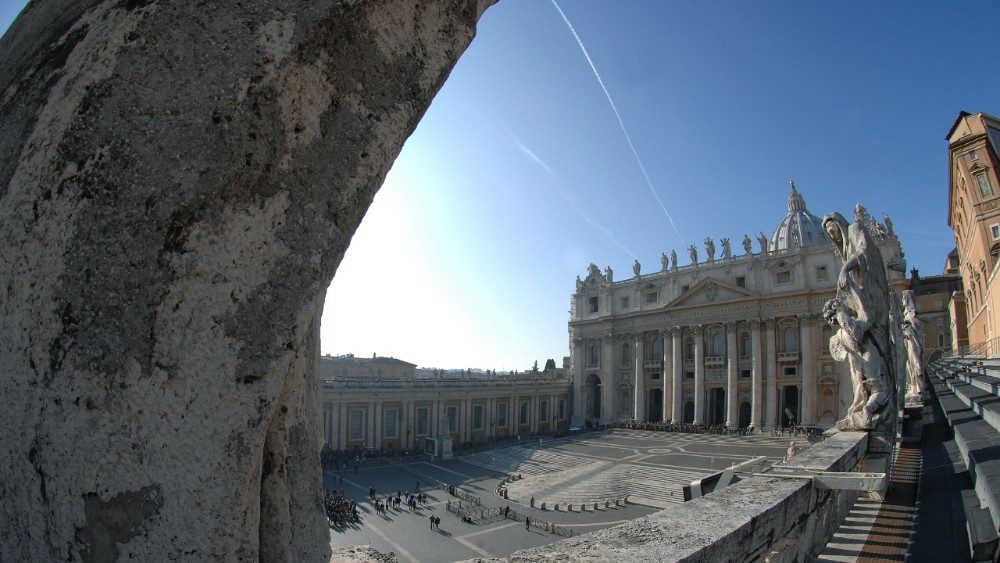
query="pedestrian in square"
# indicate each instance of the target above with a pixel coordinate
(432, 522)
(527, 523)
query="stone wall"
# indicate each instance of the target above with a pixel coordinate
(178, 184)
(743, 522)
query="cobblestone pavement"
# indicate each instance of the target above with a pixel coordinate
(648, 463)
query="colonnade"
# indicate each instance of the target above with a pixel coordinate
(763, 361)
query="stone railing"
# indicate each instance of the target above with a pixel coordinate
(425, 383)
(652, 363)
(715, 360)
(788, 356)
(743, 522)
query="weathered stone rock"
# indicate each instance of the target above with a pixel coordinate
(178, 184)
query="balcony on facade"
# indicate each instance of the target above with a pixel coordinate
(657, 364)
(788, 356)
(715, 360)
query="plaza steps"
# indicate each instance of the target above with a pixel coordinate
(968, 391)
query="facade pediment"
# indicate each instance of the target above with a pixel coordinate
(709, 291)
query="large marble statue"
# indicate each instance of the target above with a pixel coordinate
(762, 241)
(673, 259)
(636, 268)
(860, 315)
(888, 226)
(710, 249)
(694, 254)
(664, 261)
(913, 337)
(747, 244)
(609, 274)
(727, 251)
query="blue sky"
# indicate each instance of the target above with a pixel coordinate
(520, 174)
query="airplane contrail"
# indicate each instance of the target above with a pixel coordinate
(621, 123)
(563, 191)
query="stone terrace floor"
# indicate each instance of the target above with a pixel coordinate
(639, 454)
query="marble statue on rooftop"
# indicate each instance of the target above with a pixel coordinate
(636, 268)
(747, 244)
(664, 261)
(710, 249)
(888, 227)
(673, 259)
(762, 240)
(609, 274)
(694, 254)
(860, 315)
(913, 337)
(727, 251)
(579, 283)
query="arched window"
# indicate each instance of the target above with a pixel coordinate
(626, 354)
(656, 349)
(718, 344)
(825, 334)
(689, 348)
(595, 355)
(745, 345)
(790, 338)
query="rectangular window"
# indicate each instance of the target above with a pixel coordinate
(391, 418)
(502, 415)
(524, 413)
(543, 411)
(452, 419)
(684, 288)
(651, 296)
(984, 184)
(654, 375)
(973, 155)
(940, 339)
(423, 415)
(689, 375)
(357, 425)
(592, 304)
(783, 277)
(995, 231)
(741, 281)
(477, 417)
(562, 409)
(624, 302)
(745, 373)
(821, 273)
(789, 371)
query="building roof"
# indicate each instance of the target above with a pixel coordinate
(798, 228)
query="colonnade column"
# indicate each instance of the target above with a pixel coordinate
(370, 425)
(732, 393)
(639, 390)
(677, 412)
(771, 403)
(608, 380)
(411, 429)
(667, 399)
(378, 424)
(463, 417)
(756, 377)
(534, 413)
(699, 375)
(577, 374)
(808, 416)
(342, 428)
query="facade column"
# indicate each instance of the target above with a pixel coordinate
(342, 428)
(463, 417)
(577, 372)
(699, 375)
(411, 427)
(677, 412)
(370, 425)
(533, 412)
(609, 389)
(436, 420)
(808, 415)
(732, 391)
(756, 378)
(667, 399)
(639, 389)
(378, 425)
(514, 416)
(771, 399)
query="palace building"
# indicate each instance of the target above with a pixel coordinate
(735, 340)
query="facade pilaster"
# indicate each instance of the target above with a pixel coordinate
(609, 389)
(756, 377)
(667, 395)
(578, 364)
(639, 389)
(677, 379)
(699, 375)
(732, 392)
(771, 392)
(808, 416)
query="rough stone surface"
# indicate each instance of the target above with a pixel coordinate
(178, 184)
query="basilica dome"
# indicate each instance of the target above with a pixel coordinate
(799, 228)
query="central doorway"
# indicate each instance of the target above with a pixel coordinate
(716, 406)
(654, 410)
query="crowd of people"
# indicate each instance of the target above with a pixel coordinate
(339, 509)
(811, 433)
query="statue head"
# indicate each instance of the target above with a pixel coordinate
(835, 227)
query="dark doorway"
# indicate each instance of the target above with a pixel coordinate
(789, 406)
(689, 412)
(744, 414)
(593, 396)
(654, 410)
(717, 406)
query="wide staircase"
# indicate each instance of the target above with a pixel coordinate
(968, 391)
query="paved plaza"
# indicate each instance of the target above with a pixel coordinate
(651, 467)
